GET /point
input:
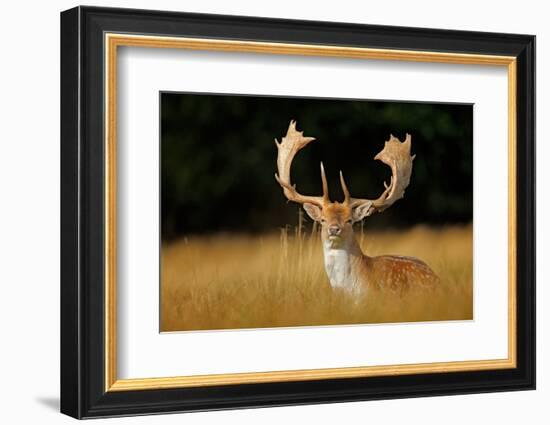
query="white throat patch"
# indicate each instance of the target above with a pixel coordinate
(338, 266)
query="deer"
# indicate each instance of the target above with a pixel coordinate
(348, 268)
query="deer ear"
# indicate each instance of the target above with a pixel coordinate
(313, 211)
(361, 211)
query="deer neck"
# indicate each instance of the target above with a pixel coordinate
(343, 259)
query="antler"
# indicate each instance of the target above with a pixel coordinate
(398, 156)
(287, 149)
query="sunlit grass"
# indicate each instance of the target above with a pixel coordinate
(228, 281)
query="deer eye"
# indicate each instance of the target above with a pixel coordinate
(323, 220)
(348, 221)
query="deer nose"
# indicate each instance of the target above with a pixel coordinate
(334, 230)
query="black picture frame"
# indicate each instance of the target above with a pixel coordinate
(83, 392)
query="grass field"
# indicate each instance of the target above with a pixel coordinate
(228, 282)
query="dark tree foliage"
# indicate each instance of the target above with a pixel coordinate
(218, 159)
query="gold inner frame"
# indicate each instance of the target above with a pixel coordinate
(113, 41)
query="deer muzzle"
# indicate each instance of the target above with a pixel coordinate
(334, 230)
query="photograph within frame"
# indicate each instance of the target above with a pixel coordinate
(229, 219)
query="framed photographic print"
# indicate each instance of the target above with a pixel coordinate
(261, 212)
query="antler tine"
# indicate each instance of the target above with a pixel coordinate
(344, 189)
(286, 150)
(325, 184)
(397, 155)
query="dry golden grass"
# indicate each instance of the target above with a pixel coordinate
(229, 282)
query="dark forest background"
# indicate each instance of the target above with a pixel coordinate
(218, 160)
